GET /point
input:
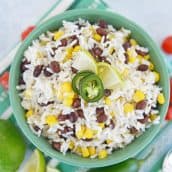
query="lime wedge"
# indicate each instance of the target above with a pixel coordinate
(36, 163)
(50, 169)
(12, 147)
(84, 61)
(108, 75)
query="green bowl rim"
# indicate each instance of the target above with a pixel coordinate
(38, 143)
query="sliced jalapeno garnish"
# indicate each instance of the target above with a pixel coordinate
(77, 78)
(91, 88)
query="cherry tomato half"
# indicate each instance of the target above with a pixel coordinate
(4, 78)
(167, 45)
(26, 32)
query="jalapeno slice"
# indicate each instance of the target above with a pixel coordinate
(76, 79)
(91, 88)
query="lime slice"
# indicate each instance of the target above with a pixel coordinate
(50, 169)
(12, 147)
(84, 61)
(36, 163)
(108, 75)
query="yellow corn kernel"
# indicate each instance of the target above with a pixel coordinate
(85, 152)
(102, 154)
(80, 132)
(43, 43)
(88, 133)
(140, 57)
(69, 95)
(91, 150)
(78, 150)
(151, 66)
(29, 113)
(28, 93)
(67, 101)
(161, 98)
(58, 34)
(152, 117)
(138, 96)
(111, 50)
(102, 125)
(107, 101)
(133, 42)
(108, 141)
(128, 107)
(147, 57)
(157, 76)
(66, 87)
(131, 59)
(69, 53)
(97, 37)
(76, 48)
(71, 145)
(51, 120)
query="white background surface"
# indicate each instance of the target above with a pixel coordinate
(155, 16)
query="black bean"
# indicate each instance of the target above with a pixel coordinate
(101, 118)
(21, 81)
(36, 128)
(80, 113)
(73, 117)
(74, 37)
(101, 58)
(126, 58)
(101, 31)
(107, 92)
(56, 145)
(23, 65)
(87, 140)
(63, 42)
(142, 53)
(141, 104)
(55, 66)
(74, 70)
(112, 124)
(46, 72)
(143, 120)
(37, 71)
(62, 117)
(142, 67)
(46, 104)
(100, 111)
(76, 103)
(126, 45)
(133, 130)
(97, 51)
(102, 23)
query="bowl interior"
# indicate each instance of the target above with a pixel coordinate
(117, 21)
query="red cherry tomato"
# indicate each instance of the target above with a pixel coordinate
(169, 113)
(4, 78)
(26, 32)
(167, 45)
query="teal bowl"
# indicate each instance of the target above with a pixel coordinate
(117, 21)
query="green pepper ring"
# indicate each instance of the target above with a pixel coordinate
(83, 87)
(76, 79)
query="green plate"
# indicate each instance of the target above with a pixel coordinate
(117, 21)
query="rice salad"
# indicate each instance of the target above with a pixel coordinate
(115, 100)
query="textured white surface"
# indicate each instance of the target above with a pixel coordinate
(154, 16)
